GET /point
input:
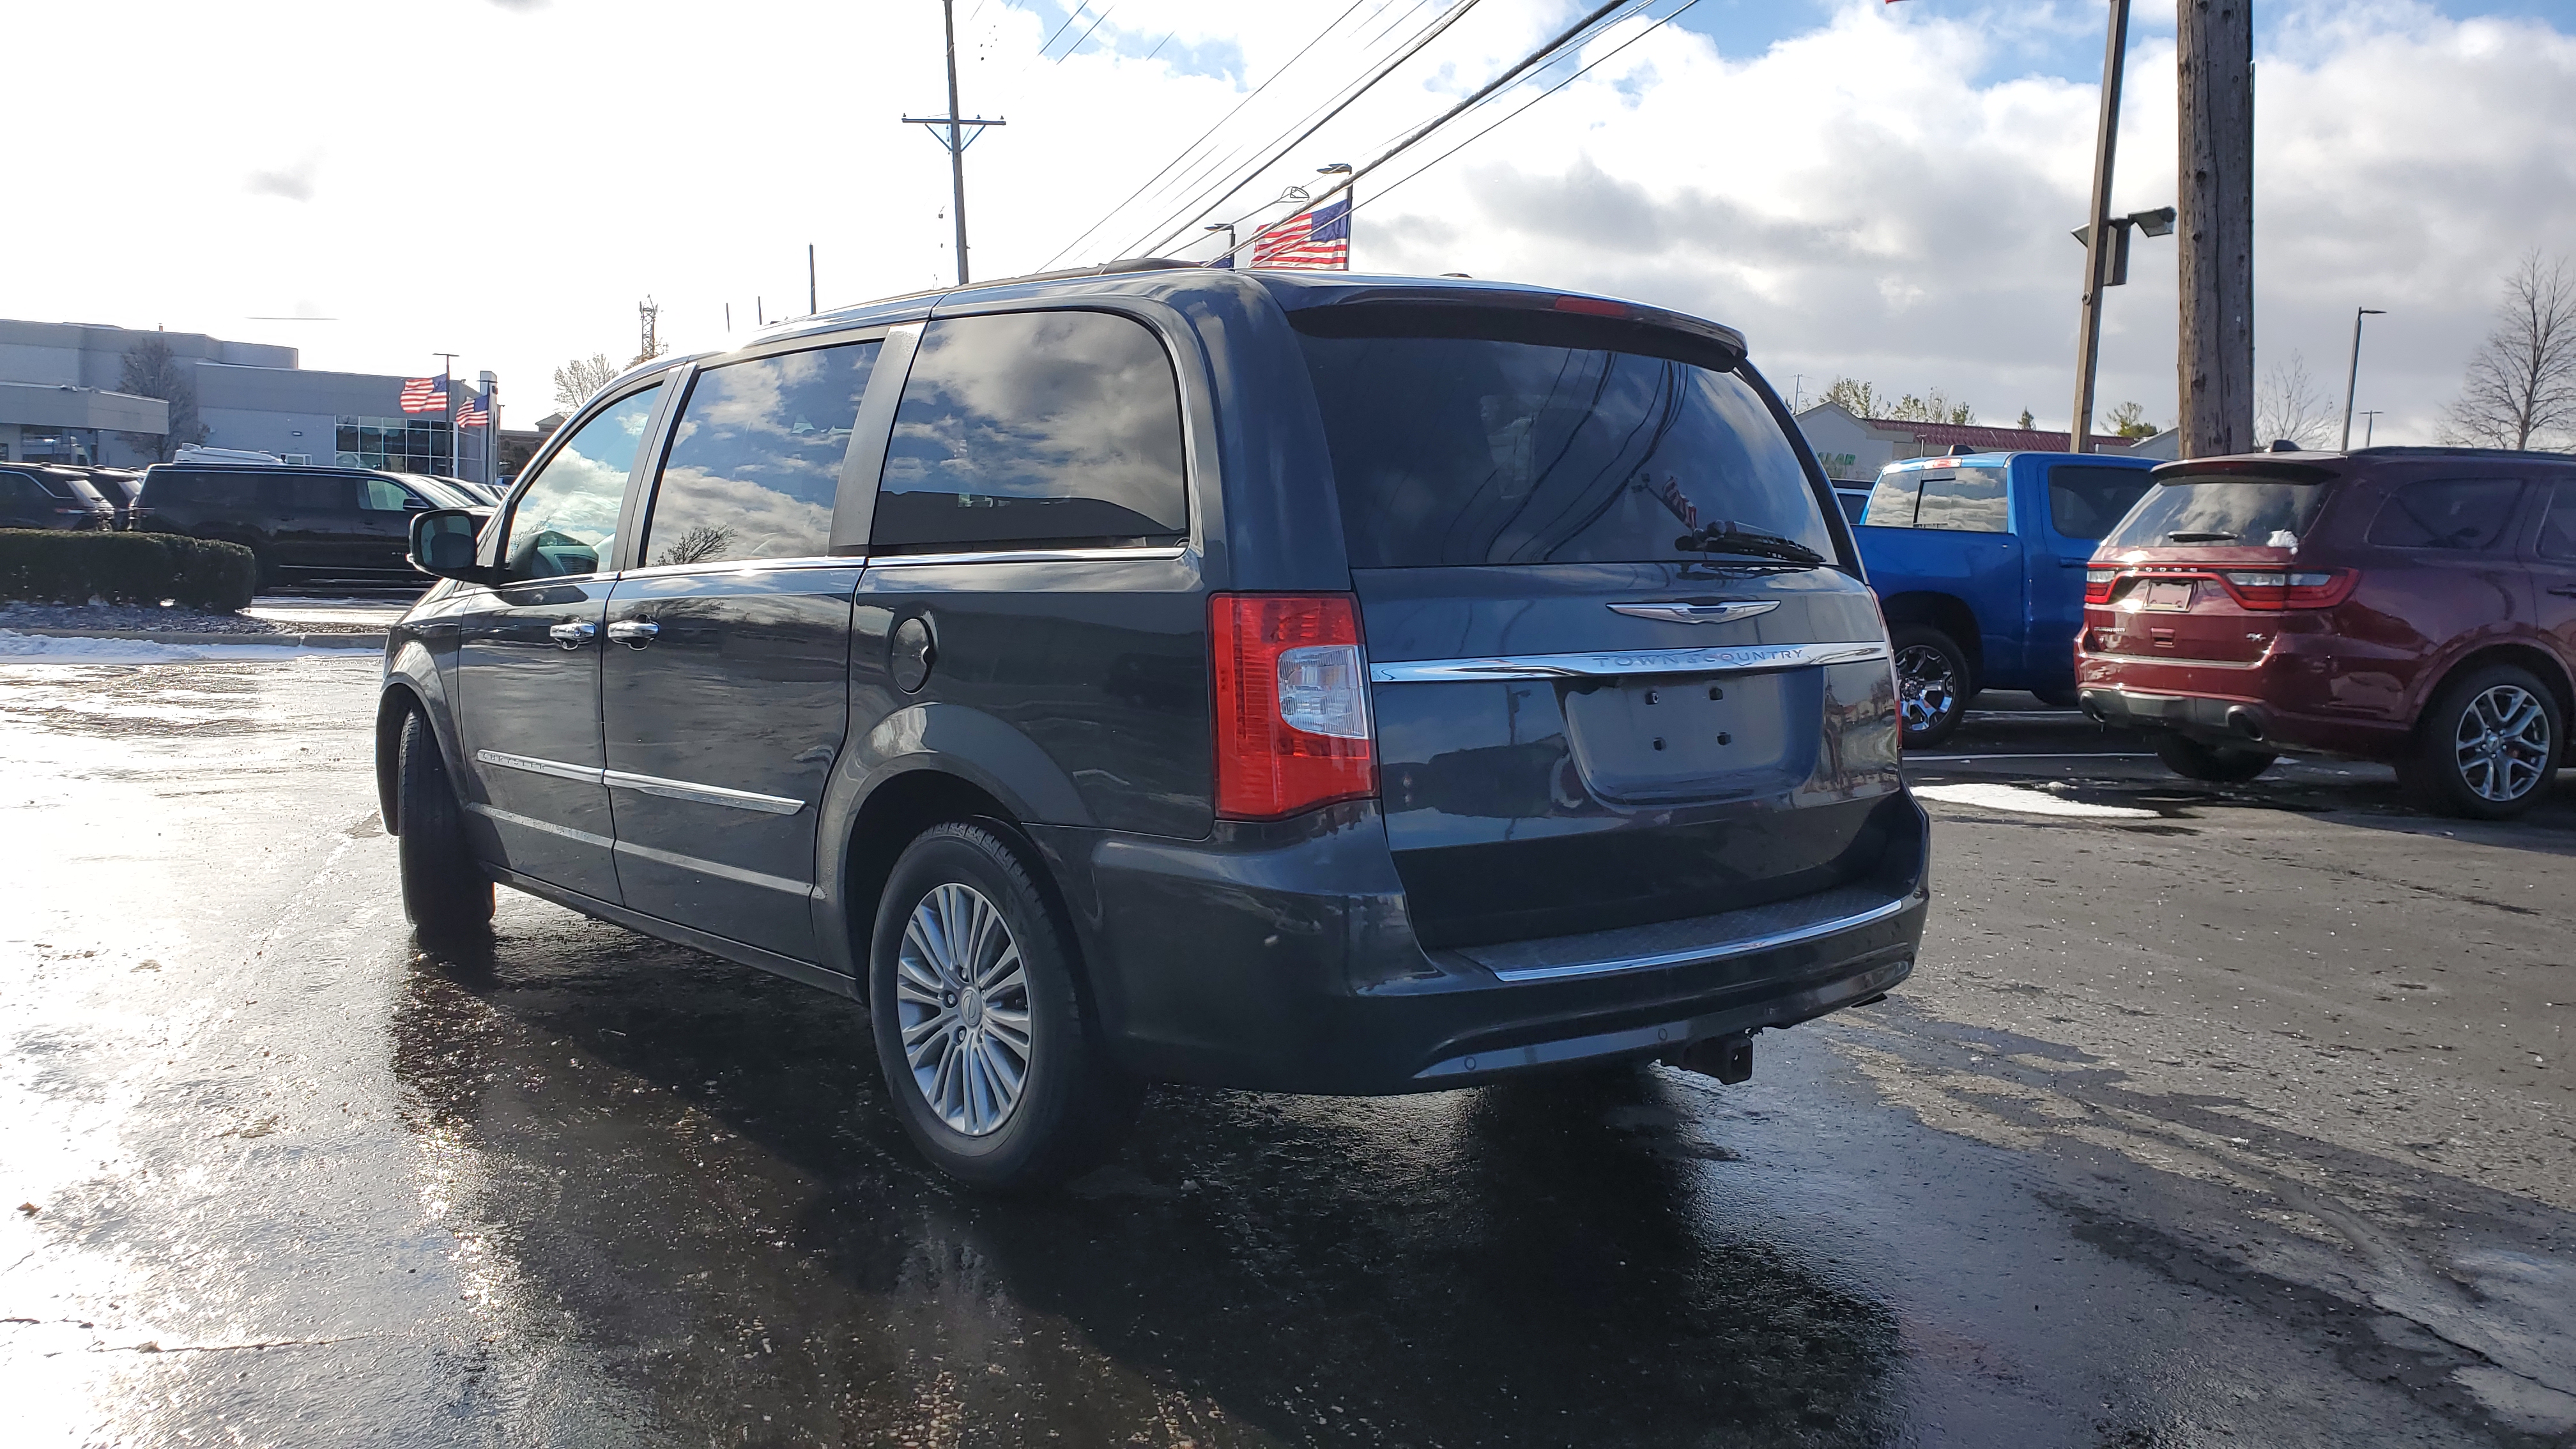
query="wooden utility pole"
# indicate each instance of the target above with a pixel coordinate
(2215, 368)
(2099, 238)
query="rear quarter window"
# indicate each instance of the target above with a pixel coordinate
(2086, 501)
(1464, 450)
(2465, 514)
(2221, 509)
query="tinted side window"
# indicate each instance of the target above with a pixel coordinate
(1046, 429)
(2455, 513)
(19, 490)
(315, 495)
(756, 458)
(2088, 502)
(566, 520)
(382, 495)
(1891, 503)
(2558, 533)
(1970, 500)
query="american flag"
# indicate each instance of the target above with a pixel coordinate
(1318, 240)
(425, 394)
(474, 413)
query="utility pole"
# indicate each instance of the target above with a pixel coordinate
(455, 434)
(958, 138)
(2369, 425)
(2352, 374)
(2099, 239)
(2214, 66)
(810, 306)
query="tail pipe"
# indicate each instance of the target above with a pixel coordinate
(2246, 722)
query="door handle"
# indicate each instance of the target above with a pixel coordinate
(634, 633)
(2565, 591)
(572, 636)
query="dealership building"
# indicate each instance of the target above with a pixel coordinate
(59, 402)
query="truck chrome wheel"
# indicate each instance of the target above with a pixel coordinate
(2502, 743)
(962, 997)
(1927, 688)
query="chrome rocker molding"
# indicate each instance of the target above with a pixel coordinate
(1747, 659)
(647, 784)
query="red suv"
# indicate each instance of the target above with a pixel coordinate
(2415, 606)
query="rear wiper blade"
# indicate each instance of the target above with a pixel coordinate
(1727, 536)
(2200, 537)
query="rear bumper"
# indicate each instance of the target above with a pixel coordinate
(1281, 958)
(2272, 702)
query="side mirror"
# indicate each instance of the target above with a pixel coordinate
(442, 543)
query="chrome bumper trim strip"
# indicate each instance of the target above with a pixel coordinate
(1715, 951)
(1744, 659)
(701, 794)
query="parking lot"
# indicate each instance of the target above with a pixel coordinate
(2230, 1115)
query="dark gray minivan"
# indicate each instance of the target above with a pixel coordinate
(1302, 682)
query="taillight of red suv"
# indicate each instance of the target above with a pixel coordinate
(2268, 590)
(1292, 703)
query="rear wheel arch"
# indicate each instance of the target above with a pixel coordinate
(2530, 658)
(896, 813)
(1946, 612)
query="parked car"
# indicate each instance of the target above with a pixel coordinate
(1290, 681)
(298, 521)
(1978, 562)
(119, 486)
(463, 493)
(2415, 606)
(41, 495)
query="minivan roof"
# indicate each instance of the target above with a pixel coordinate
(1293, 290)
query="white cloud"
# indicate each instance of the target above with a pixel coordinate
(1886, 195)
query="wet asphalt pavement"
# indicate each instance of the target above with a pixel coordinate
(2210, 1117)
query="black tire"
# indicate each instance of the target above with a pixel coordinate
(2217, 764)
(2488, 747)
(1932, 685)
(445, 894)
(1072, 1107)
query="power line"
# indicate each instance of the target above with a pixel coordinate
(1431, 33)
(1532, 61)
(1105, 13)
(1381, 193)
(1186, 151)
(1049, 42)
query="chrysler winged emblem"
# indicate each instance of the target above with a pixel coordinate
(1697, 613)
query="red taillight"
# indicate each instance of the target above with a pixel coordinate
(2269, 589)
(2098, 583)
(1593, 307)
(1292, 719)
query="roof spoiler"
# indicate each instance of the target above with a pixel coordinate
(2257, 468)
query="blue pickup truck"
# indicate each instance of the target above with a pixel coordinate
(1978, 560)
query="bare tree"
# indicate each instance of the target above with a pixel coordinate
(577, 381)
(699, 544)
(2129, 420)
(2522, 382)
(1862, 400)
(2290, 406)
(150, 369)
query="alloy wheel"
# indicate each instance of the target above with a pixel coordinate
(1927, 688)
(2502, 743)
(962, 999)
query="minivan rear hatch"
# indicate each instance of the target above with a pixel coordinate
(2200, 568)
(1622, 670)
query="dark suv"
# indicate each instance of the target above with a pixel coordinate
(2410, 605)
(1294, 682)
(35, 495)
(298, 521)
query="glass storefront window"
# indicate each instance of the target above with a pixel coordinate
(397, 445)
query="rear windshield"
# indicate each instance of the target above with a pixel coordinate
(1452, 450)
(2262, 512)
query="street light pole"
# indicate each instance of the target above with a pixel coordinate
(2352, 374)
(2098, 240)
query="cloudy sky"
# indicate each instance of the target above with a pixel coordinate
(1878, 190)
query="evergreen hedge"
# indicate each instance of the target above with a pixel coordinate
(52, 566)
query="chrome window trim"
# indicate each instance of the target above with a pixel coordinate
(742, 566)
(1740, 659)
(700, 794)
(1029, 555)
(588, 774)
(1718, 952)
